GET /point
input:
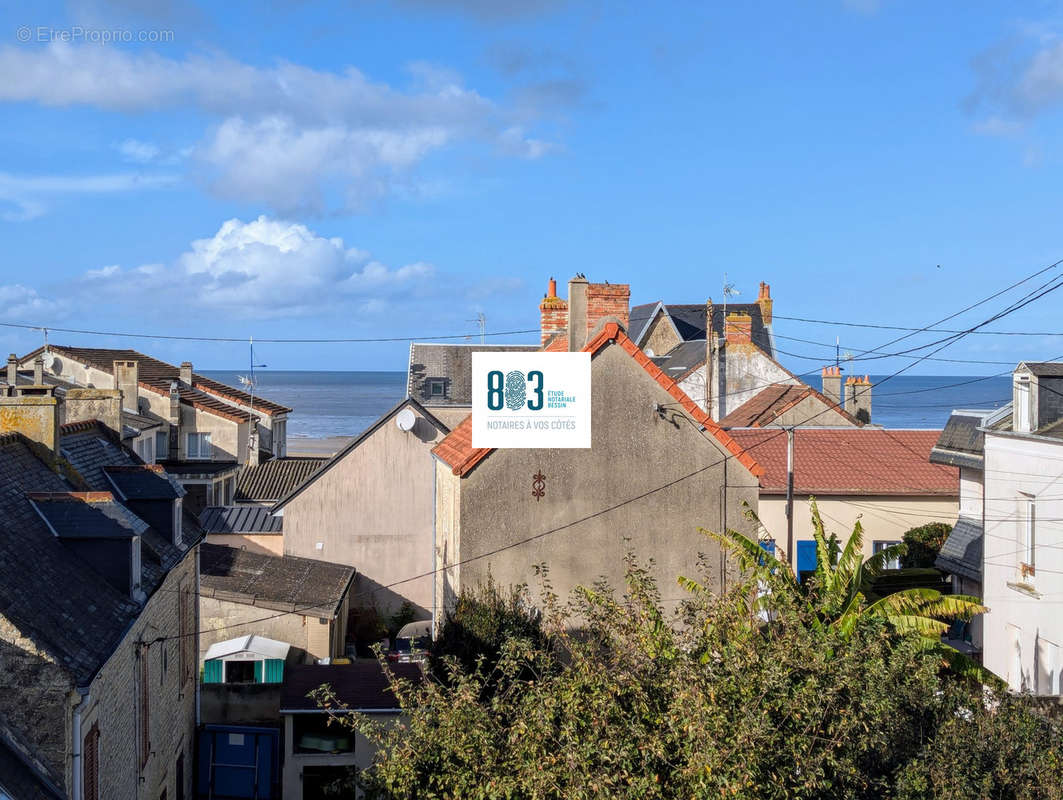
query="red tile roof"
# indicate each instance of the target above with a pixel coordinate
(769, 404)
(457, 452)
(840, 461)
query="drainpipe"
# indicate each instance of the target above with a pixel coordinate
(78, 792)
(435, 550)
(790, 496)
(195, 667)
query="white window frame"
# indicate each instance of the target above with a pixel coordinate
(1027, 537)
(160, 452)
(881, 544)
(200, 437)
(1023, 410)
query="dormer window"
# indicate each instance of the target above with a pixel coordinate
(437, 389)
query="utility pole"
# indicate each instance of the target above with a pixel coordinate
(790, 497)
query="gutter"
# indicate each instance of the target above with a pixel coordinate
(79, 790)
(435, 551)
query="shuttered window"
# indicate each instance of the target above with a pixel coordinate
(90, 755)
(145, 711)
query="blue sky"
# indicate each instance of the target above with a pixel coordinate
(394, 167)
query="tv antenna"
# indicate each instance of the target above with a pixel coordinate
(481, 321)
(729, 290)
(250, 381)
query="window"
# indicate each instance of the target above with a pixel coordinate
(145, 448)
(90, 764)
(145, 714)
(186, 623)
(240, 671)
(312, 733)
(179, 778)
(879, 546)
(199, 446)
(1027, 536)
(162, 445)
(280, 437)
(437, 388)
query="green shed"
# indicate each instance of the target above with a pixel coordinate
(247, 659)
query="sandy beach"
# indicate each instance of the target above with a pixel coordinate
(307, 446)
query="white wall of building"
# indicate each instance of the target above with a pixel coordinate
(1023, 630)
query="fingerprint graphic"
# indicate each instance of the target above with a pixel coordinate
(516, 387)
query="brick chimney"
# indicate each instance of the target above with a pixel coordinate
(858, 397)
(186, 373)
(610, 300)
(832, 385)
(738, 328)
(577, 313)
(127, 381)
(12, 370)
(553, 313)
(764, 301)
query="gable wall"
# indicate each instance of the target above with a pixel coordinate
(634, 450)
(812, 411)
(661, 336)
(373, 510)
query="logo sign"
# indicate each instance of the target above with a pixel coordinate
(531, 399)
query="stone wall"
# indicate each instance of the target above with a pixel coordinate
(224, 619)
(661, 337)
(114, 696)
(105, 405)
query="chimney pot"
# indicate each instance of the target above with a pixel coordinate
(553, 314)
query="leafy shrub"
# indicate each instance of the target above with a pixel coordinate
(924, 544)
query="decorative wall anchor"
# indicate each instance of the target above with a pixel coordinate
(538, 485)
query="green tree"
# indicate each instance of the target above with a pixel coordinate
(839, 593)
(923, 544)
(628, 701)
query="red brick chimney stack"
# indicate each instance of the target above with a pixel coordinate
(553, 313)
(738, 328)
(764, 301)
(607, 300)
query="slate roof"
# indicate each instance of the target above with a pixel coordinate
(21, 781)
(451, 363)
(56, 601)
(682, 359)
(357, 441)
(271, 480)
(156, 376)
(143, 482)
(689, 321)
(961, 443)
(240, 519)
(361, 685)
(769, 404)
(87, 515)
(457, 452)
(90, 446)
(191, 469)
(841, 461)
(961, 554)
(286, 583)
(1047, 369)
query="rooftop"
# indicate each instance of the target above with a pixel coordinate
(240, 519)
(271, 480)
(457, 452)
(843, 461)
(143, 482)
(86, 515)
(451, 364)
(362, 685)
(772, 402)
(285, 583)
(961, 554)
(259, 645)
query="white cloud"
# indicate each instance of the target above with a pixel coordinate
(288, 136)
(263, 268)
(21, 303)
(25, 197)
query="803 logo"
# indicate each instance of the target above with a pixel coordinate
(512, 390)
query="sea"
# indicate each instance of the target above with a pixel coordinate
(346, 403)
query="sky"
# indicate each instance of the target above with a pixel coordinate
(394, 168)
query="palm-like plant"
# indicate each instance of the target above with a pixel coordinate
(839, 592)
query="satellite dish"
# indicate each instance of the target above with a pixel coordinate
(406, 419)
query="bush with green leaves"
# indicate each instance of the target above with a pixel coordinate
(924, 543)
(625, 700)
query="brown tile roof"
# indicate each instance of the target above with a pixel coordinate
(769, 404)
(156, 376)
(840, 461)
(457, 452)
(360, 685)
